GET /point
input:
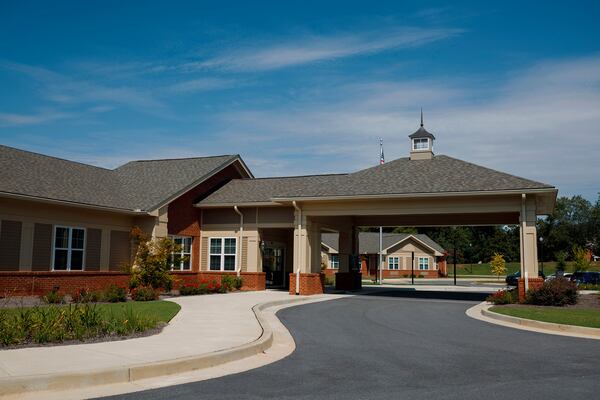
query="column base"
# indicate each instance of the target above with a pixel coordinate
(310, 284)
(348, 281)
(534, 283)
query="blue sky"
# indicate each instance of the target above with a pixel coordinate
(307, 87)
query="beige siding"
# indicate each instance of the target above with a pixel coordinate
(245, 254)
(120, 250)
(93, 249)
(42, 247)
(204, 254)
(10, 245)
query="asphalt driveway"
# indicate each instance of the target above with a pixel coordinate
(394, 346)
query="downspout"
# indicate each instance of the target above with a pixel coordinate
(299, 252)
(239, 266)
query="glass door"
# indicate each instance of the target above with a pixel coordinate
(273, 264)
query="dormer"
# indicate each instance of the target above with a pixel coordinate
(421, 143)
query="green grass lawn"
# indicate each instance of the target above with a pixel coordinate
(511, 267)
(589, 317)
(163, 311)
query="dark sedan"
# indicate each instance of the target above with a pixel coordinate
(591, 278)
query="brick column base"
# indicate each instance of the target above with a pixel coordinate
(534, 283)
(309, 284)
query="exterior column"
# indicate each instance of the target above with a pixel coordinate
(528, 242)
(307, 257)
(345, 249)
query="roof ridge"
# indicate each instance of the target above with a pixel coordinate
(291, 176)
(56, 158)
(177, 159)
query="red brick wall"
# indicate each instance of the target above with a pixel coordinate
(309, 284)
(534, 283)
(185, 219)
(38, 283)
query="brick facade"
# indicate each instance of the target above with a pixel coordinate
(186, 220)
(534, 283)
(309, 284)
(39, 283)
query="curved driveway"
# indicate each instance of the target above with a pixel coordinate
(392, 347)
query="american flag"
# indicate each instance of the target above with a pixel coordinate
(381, 157)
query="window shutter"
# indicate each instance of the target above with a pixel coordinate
(204, 254)
(10, 245)
(120, 250)
(93, 249)
(42, 248)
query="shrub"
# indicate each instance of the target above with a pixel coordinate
(114, 294)
(228, 282)
(53, 297)
(588, 286)
(498, 265)
(152, 261)
(329, 281)
(556, 292)
(503, 297)
(86, 296)
(238, 283)
(144, 294)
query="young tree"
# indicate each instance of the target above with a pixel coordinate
(498, 265)
(580, 258)
(152, 264)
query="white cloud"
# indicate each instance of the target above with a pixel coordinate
(14, 119)
(541, 124)
(312, 48)
(201, 85)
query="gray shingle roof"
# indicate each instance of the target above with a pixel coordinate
(135, 185)
(421, 133)
(368, 242)
(441, 174)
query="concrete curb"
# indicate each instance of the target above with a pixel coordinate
(66, 381)
(483, 313)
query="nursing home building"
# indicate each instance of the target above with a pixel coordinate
(66, 224)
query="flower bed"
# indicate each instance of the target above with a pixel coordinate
(204, 286)
(81, 321)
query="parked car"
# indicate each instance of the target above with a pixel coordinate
(565, 275)
(513, 279)
(592, 278)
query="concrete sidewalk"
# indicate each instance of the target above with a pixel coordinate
(205, 325)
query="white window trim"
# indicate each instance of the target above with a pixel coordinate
(182, 254)
(397, 263)
(222, 254)
(69, 248)
(414, 142)
(419, 263)
(331, 263)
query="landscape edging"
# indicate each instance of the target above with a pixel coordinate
(64, 381)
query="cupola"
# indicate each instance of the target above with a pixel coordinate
(421, 143)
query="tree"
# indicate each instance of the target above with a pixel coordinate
(580, 258)
(152, 266)
(498, 265)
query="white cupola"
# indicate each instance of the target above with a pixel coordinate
(421, 143)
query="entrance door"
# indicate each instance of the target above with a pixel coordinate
(273, 262)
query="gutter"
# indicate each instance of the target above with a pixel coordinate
(239, 266)
(299, 242)
(73, 204)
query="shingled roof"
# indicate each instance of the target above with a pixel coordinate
(440, 174)
(368, 242)
(137, 185)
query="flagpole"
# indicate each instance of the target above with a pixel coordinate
(381, 162)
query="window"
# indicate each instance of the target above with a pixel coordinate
(69, 248)
(423, 262)
(182, 260)
(222, 254)
(420, 144)
(334, 261)
(393, 262)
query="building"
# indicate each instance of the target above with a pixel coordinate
(397, 255)
(66, 224)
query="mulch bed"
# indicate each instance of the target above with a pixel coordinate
(97, 339)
